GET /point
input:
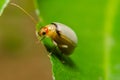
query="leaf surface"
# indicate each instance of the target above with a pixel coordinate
(3, 4)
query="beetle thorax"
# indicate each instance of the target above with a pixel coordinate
(51, 31)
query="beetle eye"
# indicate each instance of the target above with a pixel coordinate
(43, 33)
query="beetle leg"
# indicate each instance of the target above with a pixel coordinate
(49, 54)
(54, 43)
(53, 49)
(63, 46)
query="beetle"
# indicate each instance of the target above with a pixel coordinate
(61, 35)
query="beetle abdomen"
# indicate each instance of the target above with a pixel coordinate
(67, 31)
(65, 45)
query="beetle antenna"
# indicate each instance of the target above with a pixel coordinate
(31, 17)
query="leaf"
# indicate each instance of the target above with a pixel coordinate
(96, 23)
(3, 4)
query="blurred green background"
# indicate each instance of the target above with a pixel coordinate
(21, 55)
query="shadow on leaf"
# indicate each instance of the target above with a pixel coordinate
(64, 59)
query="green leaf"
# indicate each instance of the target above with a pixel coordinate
(3, 4)
(97, 25)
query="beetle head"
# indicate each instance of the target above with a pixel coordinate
(47, 31)
(43, 31)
